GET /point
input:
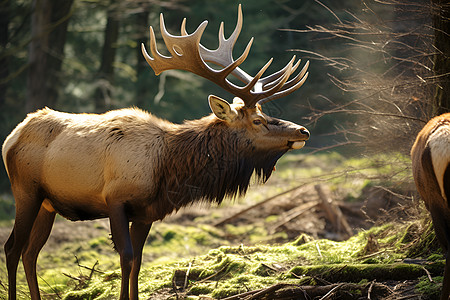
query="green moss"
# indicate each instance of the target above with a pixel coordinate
(432, 290)
(241, 284)
(202, 289)
(302, 239)
(358, 272)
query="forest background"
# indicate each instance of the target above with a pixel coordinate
(379, 69)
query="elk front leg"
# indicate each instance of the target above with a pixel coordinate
(139, 233)
(121, 237)
(39, 235)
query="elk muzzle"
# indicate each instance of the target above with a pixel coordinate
(303, 136)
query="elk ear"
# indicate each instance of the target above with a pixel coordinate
(221, 108)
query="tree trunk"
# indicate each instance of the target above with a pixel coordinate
(103, 92)
(4, 34)
(48, 31)
(441, 22)
(141, 87)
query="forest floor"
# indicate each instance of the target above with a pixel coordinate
(323, 227)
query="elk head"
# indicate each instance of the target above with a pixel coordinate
(245, 113)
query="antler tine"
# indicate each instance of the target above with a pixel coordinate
(258, 95)
(297, 78)
(273, 79)
(279, 76)
(183, 27)
(255, 83)
(291, 86)
(223, 55)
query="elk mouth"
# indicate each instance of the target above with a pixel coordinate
(294, 145)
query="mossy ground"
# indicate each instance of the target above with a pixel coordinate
(188, 257)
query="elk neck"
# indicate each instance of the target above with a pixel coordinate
(207, 160)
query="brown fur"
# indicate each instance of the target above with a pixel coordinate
(131, 166)
(424, 150)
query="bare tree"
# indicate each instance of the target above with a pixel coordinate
(392, 63)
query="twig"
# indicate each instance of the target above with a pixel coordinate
(85, 267)
(292, 214)
(226, 220)
(428, 274)
(215, 274)
(269, 267)
(52, 288)
(318, 250)
(92, 271)
(370, 289)
(239, 296)
(373, 254)
(416, 296)
(331, 292)
(187, 275)
(266, 291)
(297, 276)
(72, 277)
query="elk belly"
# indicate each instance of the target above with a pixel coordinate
(298, 145)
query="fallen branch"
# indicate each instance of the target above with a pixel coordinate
(293, 291)
(428, 274)
(334, 213)
(227, 220)
(266, 291)
(292, 214)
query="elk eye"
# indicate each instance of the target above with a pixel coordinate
(257, 122)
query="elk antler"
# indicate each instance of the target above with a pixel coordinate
(188, 54)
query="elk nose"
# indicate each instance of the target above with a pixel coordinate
(304, 131)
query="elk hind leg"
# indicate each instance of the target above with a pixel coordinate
(441, 224)
(39, 235)
(139, 232)
(27, 208)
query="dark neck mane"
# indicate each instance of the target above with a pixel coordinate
(205, 160)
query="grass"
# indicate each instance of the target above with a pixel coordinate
(213, 262)
(230, 270)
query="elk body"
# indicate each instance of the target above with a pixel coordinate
(132, 167)
(431, 169)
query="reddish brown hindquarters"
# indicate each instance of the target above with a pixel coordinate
(430, 156)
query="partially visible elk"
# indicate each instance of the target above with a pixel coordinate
(430, 156)
(130, 166)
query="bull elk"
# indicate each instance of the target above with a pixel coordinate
(132, 167)
(430, 156)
